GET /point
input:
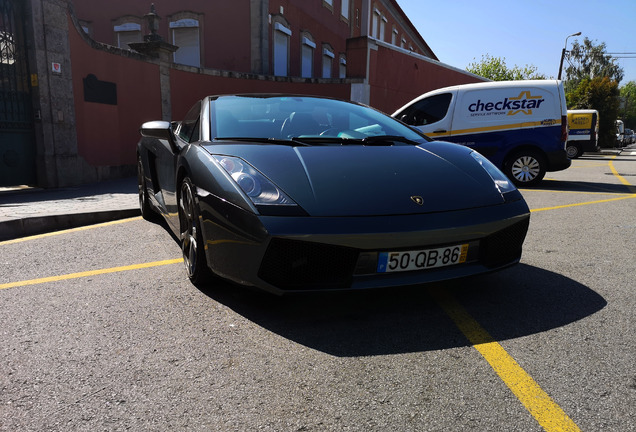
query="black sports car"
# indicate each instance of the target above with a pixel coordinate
(290, 193)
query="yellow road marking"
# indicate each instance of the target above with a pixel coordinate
(582, 204)
(89, 273)
(549, 415)
(39, 236)
(632, 189)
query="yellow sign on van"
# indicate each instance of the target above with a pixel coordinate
(580, 121)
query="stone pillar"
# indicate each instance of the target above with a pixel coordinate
(154, 46)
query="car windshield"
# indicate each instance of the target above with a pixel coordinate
(304, 118)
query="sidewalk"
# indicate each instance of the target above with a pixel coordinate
(30, 211)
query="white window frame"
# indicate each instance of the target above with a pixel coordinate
(127, 32)
(187, 55)
(282, 36)
(375, 30)
(383, 22)
(327, 62)
(344, 9)
(307, 48)
(342, 67)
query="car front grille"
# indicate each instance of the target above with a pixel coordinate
(503, 247)
(296, 265)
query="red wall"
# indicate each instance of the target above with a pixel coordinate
(188, 87)
(107, 134)
(221, 21)
(397, 78)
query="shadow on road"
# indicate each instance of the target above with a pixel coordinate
(581, 186)
(516, 302)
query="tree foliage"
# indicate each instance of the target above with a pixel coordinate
(628, 110)
(588, 60)
(592, 83)
(495, 68)
(601, 94)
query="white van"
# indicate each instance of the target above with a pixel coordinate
(521, 126)
(582, 132)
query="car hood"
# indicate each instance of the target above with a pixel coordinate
(371, 181)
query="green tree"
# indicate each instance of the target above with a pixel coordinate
(627, 111)
(601, 94)
(592, 79)
(495, 68)
(588, 60)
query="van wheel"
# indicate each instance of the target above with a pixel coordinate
(573, 151)
(526, 168)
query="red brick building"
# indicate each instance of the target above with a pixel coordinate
(90, 91)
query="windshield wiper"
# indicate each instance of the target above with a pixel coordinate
(378, 140)
(382, 139)
(263, 140)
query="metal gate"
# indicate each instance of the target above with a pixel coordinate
(17, 143)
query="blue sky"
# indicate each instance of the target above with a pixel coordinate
(523, 32)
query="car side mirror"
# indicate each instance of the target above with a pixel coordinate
(160, 130)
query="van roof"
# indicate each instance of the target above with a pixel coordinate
(495, 84)
(583, 111)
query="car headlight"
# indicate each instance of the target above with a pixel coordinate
(255, 185)
(501, 181)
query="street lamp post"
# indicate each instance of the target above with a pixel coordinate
(563, 52)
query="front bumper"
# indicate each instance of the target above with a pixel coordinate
(317, 254)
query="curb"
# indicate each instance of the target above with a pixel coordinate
(25, 227)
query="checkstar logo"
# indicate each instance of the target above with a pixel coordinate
(524, 103)
(417, 200)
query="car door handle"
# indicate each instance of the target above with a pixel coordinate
(440, 131)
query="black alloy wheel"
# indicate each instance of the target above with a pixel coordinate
(192, 244)
(144, 205)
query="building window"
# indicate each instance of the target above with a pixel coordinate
(307, 56)
(383, 22)
(403, 44)
(344, 10)
(394, 36)
(375, 30)
(342, 66)
(327, 61)
(185, 35)
(281, 49)
(127, 32)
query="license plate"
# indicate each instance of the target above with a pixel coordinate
(421, 259)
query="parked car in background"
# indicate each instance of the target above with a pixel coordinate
(582, 132)
(620, 133)
(297, 193)
(521, 126)
(629, 137)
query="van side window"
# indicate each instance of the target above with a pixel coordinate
(429, 110)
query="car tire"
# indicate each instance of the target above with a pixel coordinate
(191, 236)
(573, 151)
(147, 212)
(526, 168)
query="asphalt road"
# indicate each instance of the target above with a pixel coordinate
(101, 330)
